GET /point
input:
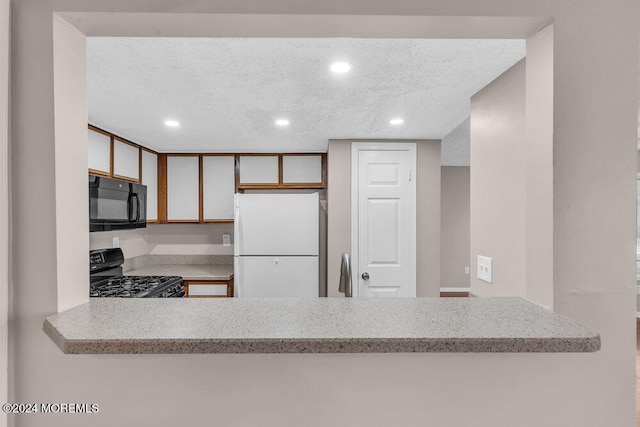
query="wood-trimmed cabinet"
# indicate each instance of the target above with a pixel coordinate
(281, 171)
(196, 188)
(218, 186)
(208, 288)
(199, 187)
(100, 148)
(114, 157)
(183, 182)
(149, 177)
(126, 160)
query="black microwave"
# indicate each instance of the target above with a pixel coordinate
(115, 204)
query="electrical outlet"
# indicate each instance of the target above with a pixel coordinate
(466, 270)
(485, 268)
(226, 239)
(116, 242)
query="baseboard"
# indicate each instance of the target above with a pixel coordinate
(447, 289)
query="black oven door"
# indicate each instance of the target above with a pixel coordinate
(115, 204)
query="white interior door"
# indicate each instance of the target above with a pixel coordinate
(384, 219)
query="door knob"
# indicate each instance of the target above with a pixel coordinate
(365, 276)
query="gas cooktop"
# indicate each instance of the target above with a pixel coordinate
(138, 287)
(107, 280)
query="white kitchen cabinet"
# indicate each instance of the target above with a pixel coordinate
(99, 152)
(183, 188)
(259, 169)
(150, 179)
(302, 169)
(218, 187)
(126, 160)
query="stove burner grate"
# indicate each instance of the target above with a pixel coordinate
(138, 287)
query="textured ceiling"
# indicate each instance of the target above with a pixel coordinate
(227, 93)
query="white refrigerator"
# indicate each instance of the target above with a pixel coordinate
(276, 245)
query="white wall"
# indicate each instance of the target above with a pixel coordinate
(595, 83)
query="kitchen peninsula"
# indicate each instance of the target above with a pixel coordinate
(316, 325)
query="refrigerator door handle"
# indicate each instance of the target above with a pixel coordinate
(236, 225)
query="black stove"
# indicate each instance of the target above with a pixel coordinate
(107, 279)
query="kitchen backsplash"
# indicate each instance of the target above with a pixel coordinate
(167, 239)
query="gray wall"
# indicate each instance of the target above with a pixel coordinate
(455, 220)
(539, 166)
(428, 213)
(595, 81)
(498, 177)
(638, 234)
(455, 145)
(4, 205)
(512, 177)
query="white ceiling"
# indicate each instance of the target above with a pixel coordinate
(227, 93)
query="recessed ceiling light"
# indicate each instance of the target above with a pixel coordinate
(340, 67)
(171, 123)
(282, 122)
(396, 121)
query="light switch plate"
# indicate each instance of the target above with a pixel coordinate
(466, 270)
(485, 268)
(116, 242)
(226, 239)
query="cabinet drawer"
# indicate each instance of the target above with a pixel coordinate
(212, 290)
(207, 289)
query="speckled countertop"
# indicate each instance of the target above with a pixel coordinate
(187, 271)
(190, 267)
(318, 325)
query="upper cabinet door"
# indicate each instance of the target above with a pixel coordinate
(218, 186)
(302, 169)
(259, 170)
(150, 179)
(183, 188)
(126, 160)
(99, 152)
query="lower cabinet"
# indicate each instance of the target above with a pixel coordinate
(208, 288)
